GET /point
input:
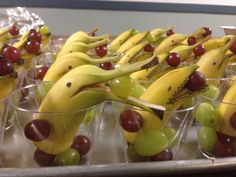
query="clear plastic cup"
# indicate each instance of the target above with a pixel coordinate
(50, 132)
(174, 127)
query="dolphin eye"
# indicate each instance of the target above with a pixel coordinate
(214, 63)
(68, 84)
(169, 88)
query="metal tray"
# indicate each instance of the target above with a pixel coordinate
(107, 158)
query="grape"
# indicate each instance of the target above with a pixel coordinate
(41, 72)
(32, 47)
(14, 30)
(131, 120)
(233, 48)
(232, 120)
(37, 130)
(199, 50)
(92, 33)
(170, 133)
(101, 50)
(207, 138)
(150, 38)
(207, 115)
(35, 36)
(122, 86)
(223, 148)
(169, 32)
(137, 90)
(208, 31)
(162, 156)
(148, 48)
(197, 81)
(44, 30)
(107, 65)
(11, 53)
(192, 40)
(82, 144)
(69, 157)
(173, 59)
(151, 142)
(6, 67)
(212, 92)
(43, 159)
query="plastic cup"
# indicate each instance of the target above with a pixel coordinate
(61, 127)
(174, 127)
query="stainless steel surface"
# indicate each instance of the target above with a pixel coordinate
(107, 158)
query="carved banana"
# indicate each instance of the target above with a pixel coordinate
(69, 61)
(120, 39)
(79, 89)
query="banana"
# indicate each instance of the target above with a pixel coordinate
(79, 89)
(132, 41)
(132, 53)
(79, 47)
(81, 36)
(6, 86)
(213, 63)
(226, 108)
(21, 42)
(120, 39)
(167, 91)
(186, 51)
(170, 42)
(157, 32)
(71, 60)
(214, 43)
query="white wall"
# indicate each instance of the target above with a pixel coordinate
(67, 21)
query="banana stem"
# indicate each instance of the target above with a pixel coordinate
(107, 59)
(228, 44)
(98, 43)
(97, 38)
(129, 68)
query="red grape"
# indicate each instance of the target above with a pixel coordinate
(192, 40)
(35, 36)
(162, 156)
(92, 33)
(107, 66)
(223, 149)
(233, 120)
(82, 144)
(199, 50)
(197, 81)
(41, 72)
(11, 53)
(101, 50)
(173, 59)
(6, 67)
(131, 120)
(233, 48)
(169, 32)
(149, 48)
(208, 31)
(32, 47)
(14, 30)
(37, 130)
(43, 159)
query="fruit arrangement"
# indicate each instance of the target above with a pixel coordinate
(157, 77)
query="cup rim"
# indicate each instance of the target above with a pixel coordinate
(15, 107)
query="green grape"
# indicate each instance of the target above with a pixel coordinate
(43, 89)
(150, 38)
(150, 143)
(134, 32)
(44, 30)
(212, 92)
(170, 133)
(89, 116)
(68, 157)
(137, 90)
(189, 102)
(207, 115)
(207, 138)
(122, 86)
